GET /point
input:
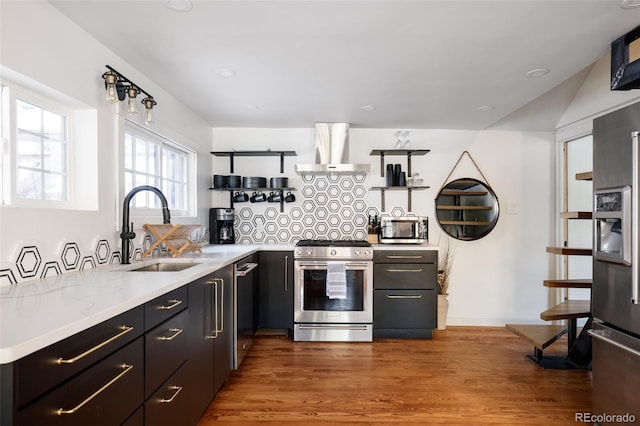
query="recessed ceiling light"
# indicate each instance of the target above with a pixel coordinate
(485, 108)
(538, 72)
(179, 5)
(367, 107)
(225, 72)
(630, 4)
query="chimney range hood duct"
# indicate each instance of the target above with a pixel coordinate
(332, 152)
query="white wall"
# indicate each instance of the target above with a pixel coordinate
(40, 44)
(495, 280)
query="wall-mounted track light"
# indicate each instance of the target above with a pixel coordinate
(119, 87)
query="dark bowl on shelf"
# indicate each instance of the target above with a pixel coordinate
(254, 182)
(219, 181)
(234, 181)
(279, 182)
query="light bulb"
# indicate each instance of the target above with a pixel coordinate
(132, 107)
(148, 103)
(112, 96)
(148, 116)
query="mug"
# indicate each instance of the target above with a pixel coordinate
(274, 197)
(240, 197)
(257, 197)
(290, 198)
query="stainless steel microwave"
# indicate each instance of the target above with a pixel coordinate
(404, 229)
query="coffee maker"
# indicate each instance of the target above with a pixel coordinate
(221, 226)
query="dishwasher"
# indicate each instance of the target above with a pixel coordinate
(244, 302)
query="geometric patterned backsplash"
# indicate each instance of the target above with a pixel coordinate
(326, 207)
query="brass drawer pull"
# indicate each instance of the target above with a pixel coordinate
(176, 333)
(214, 326)
(174, 303)
(125, 329)
(404, 270)
(175, 388)
(391, 296)
(126, 368)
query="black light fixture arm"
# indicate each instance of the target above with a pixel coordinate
(123, 84)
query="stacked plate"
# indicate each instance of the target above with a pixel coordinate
(219, 181)
(234, 181)
(279, 182)
(254, 182)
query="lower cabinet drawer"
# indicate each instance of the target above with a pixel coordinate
(169, 404)
(105, 394)
(165, 351)
(394, 309)
(405, 276)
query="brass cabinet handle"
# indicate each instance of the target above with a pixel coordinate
(404, 270)
(214, 327)
(125, 369)
(176, 332)
(125, 329)
(221, 307)
(170, 400)
(392, 296)
(174, 303)
(392, 256)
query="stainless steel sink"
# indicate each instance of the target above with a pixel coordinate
(164, 267)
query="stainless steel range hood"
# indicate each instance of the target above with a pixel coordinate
(332, 152)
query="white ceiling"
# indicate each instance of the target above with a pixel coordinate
(422, 64)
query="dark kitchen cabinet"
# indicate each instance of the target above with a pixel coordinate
(210, 339)
(66, 373)
(275, 306)
(405, 293)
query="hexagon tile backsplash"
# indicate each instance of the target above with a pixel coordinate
(327, 207)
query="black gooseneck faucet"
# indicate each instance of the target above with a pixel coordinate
(128, 234)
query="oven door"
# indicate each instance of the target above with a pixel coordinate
(313, 306)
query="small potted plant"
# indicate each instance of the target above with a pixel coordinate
(445, 262)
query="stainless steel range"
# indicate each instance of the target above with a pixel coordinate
(333, 294)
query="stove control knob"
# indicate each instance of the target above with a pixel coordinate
(357, 252)
(333, 252)
(309, 252)
(367, 253)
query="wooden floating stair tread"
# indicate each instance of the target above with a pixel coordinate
(584, 176)
(569, 309)
(570, 251)
(576, 215)
(539, 335)
(570, 283)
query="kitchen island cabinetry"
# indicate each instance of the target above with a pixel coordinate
(405, 293)
(59, 384)
(275, 308)
(210, 339)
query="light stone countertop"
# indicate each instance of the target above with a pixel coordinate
(35, 314)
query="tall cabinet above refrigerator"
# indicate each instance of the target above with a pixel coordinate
(616, 265)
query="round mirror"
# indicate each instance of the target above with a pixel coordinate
(467, 209)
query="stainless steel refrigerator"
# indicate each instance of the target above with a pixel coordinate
(616, 266)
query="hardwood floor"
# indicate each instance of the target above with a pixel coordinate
(464, 375)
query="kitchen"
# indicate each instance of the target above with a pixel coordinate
(501, 287)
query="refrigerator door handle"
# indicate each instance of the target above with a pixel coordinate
(600, 335)
(635, 249)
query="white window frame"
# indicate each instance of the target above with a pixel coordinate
(11, 93)
(143, 204)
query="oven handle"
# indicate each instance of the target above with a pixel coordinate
(324, 264)
(393, 296)
(635, 233)
(332, 326)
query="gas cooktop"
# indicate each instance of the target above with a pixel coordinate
(333, 243)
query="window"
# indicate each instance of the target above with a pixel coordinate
(41, 153)
(39, 160)
(150, 159)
